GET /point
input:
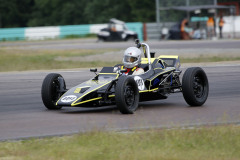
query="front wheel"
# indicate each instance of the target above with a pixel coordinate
(126, 95)
(51, 90)
(195, 86)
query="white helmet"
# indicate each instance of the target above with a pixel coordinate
(132, 57)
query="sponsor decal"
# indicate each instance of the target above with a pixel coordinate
(69, 98)
(139, 82)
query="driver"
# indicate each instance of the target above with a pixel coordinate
(132, 61)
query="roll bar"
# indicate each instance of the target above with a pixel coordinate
(146, 51)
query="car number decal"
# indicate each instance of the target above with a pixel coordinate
(139, 82)
(69, 98)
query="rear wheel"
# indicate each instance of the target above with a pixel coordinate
(51, 91)
(127, 95)
(195, 86)
(100, 40)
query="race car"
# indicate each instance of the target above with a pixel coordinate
(116, 31)
(112, 87)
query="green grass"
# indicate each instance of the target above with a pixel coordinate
(12, 59)
(73, 36)
(208, 59)
(21, 60)
(208, 143)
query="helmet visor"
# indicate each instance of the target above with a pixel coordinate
(130, 59)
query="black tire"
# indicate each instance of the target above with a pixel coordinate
(50, 91)
(100, 40)
(126, 95)
(195, 86)
(130, 39)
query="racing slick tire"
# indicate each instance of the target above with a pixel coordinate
(100, 40)
(51, 91)
(195, 86)
(126, 95)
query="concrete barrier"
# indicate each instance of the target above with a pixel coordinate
(51, 32)
(77, 30)
(40, 33)
(12, 34)
(136, 27)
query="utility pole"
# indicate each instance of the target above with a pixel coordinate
(157, 12)
(215, 13)
(188, 15)
(215, 17)
(157, 15)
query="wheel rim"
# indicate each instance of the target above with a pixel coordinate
(55, 90)
(199, 86)
(129, 96)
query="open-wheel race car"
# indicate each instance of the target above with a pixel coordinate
(111, 86)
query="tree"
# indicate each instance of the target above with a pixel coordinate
(101, 11)
(127, 10)
(57, 12)
(29, 13)
(143, 11)
(15, 13)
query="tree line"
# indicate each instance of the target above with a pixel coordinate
(30, 13)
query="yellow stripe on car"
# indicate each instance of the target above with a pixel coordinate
(88, 100)
(149, 90)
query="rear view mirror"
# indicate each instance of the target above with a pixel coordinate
(152, 54)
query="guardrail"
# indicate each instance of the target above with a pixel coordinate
(153, 31)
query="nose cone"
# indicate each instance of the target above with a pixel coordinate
(75, 93)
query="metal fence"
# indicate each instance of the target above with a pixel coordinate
(231, 28)
(154, 32)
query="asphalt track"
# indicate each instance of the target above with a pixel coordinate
(23, 115)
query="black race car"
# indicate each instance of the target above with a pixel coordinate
(110, 86)
(116, 31)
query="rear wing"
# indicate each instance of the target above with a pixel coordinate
(171, 60)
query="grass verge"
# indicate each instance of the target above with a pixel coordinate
(24, 59)
(21, 60)
(208, 143)
(209, 59)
